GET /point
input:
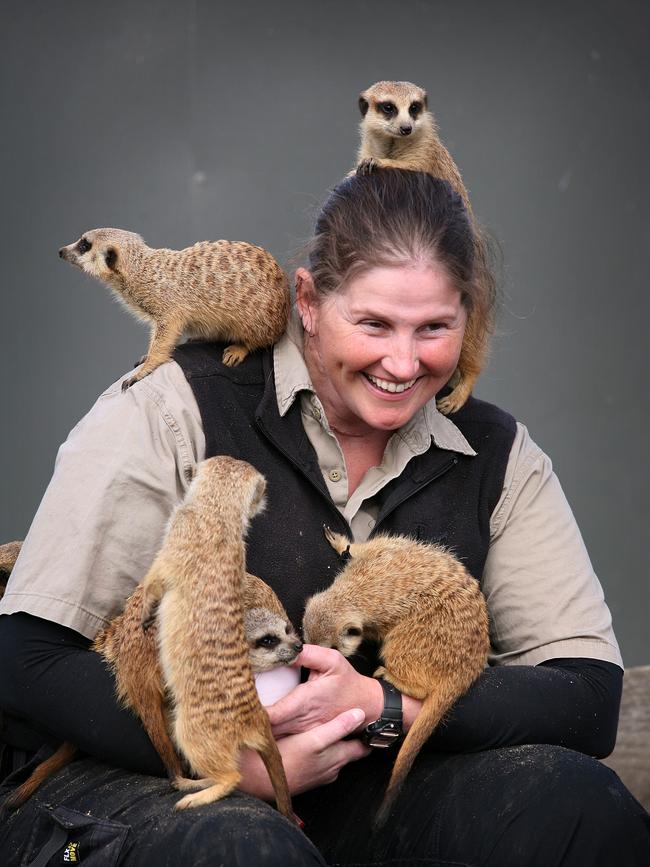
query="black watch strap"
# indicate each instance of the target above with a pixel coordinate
(386, 730)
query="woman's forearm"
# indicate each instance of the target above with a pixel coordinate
(567, 702)
(49, 677)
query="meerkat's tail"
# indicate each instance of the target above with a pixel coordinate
(65, 753)
(433, 709)
(270, 755)
(148, 703)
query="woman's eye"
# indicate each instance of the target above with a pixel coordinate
(433, 326)
(375, 324)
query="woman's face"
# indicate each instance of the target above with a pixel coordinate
(382, 347)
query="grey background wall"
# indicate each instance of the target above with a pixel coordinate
(187, 121)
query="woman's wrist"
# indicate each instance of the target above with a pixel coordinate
(374, 701)
(374, 705)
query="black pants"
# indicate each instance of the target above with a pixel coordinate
(530, 806)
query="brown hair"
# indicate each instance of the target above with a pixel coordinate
(395, 216)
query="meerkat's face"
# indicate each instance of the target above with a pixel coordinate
(99, 252)
(272, 641)
(341, 631)
(394, 108)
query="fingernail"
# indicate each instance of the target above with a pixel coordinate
(357, 715)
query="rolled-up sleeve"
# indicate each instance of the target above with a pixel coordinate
(116, 480)
(543, 596)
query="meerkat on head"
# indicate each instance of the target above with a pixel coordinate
(215, 290)
(399, 131)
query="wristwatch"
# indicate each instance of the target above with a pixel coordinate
(386, 730)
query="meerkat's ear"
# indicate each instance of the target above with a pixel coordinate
(425, 99)
(110, 257)
(363, 104)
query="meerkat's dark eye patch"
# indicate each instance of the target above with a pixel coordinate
(267, 641)
(83, 246)
(415, 108)
(111, 257)
(387, 108)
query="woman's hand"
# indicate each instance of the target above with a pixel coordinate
(334, 686)
(312, 758)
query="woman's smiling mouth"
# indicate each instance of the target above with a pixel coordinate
(391, 387)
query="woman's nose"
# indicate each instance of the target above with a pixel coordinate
(402, 361)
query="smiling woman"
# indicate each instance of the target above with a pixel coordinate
(384, 307)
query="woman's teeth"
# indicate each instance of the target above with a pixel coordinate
(390, 386)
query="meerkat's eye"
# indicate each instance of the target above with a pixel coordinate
(415, 108)
(267, 641)
(83, 246)
(110, 257)
(388, 108)
(353, 631)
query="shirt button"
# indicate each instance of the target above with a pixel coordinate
(335, 475)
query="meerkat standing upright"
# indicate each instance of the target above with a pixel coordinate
(219, 290)
(196, 582)
(399, 131)
(132, 655)
(429, 616)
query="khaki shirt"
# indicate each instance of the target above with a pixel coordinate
(129, 461)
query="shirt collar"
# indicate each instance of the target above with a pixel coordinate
(292, 377)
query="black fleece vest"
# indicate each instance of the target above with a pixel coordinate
(441, 496)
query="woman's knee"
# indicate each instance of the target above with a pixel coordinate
(239, 831)
(558, 806)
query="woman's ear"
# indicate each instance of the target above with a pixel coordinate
(306, 300)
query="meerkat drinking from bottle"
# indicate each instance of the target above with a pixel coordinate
(399, 131)
(196, 584)
(217, 290)
(428, 615)
(132, 655)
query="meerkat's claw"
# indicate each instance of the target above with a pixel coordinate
(234, 354)
(340, 543)
(127, 383)
(212, 792)
(365, 167)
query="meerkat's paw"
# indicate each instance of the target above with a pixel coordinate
(131, 380)
(234, 354)
(365, 167)
(213, 793)
(451, 403)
